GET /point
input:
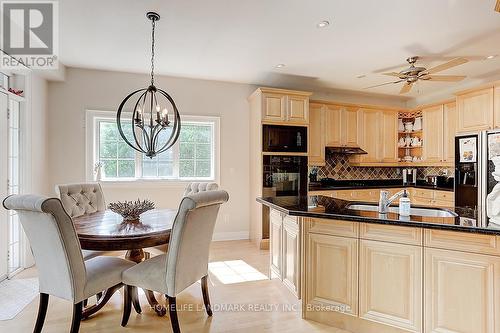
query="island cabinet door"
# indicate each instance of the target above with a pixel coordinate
(275, 248)
(332, 273)
(390, 284)
(461, 290)
(291, 255)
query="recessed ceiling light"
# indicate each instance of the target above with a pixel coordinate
(279, 66)
(491, 56)
(323, 24)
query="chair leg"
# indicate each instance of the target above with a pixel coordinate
(135, 300)
(77, 317)
(206, 297)
(127, 304)
(42, 311)
(172, 309)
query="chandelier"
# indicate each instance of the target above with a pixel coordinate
(154, 113)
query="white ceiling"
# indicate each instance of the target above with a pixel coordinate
(242, 41)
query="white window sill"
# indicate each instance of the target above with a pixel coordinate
(147, 183)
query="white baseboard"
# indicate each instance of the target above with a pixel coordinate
(231, 235)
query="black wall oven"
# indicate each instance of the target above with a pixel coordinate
(284, 175)
(279, 138)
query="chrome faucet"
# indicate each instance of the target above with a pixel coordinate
(385, 201)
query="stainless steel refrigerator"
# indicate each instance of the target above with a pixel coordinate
(473, 171)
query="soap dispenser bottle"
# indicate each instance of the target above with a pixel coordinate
(404, 204)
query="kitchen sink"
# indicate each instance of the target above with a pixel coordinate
(428, 212)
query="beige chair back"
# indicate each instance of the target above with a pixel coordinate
(81, 199)
(54, 243)
(192, 231)
(194, 188)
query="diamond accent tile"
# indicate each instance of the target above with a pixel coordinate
(337, 167)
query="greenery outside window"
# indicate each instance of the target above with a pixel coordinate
(193, 157)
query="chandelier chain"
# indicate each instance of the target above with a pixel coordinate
(153, 52)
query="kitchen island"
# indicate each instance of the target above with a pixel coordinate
(366, 272)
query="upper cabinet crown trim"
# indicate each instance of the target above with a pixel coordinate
(356, 105)
(280, 91)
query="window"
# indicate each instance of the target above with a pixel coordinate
(193, 157)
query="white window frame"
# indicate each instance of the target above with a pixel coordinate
(92, 151)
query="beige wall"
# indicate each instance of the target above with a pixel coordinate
(39, 140)
(85, 89)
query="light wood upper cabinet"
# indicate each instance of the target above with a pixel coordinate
(350, 135)
(333, 125)
(341, 126)
(316, 134)
(449, 131)
(390, 284)
(432, 136)
(297, 109)
(475, 110)
(460, 292)
(333, 274)
(273, 107)
(389, 139)
(370, 135)
(281, 106)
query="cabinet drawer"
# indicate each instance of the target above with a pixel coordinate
(462, 241)
(422, 193)
(444, 196)
(391, 233)
(334, 227)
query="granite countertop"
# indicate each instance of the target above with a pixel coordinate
(375, 183)
(467, 220)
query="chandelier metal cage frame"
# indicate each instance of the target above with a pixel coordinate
(152, 122)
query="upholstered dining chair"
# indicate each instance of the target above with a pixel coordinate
(193, 188)
(81, 199)
(187, 259)
(62, 271)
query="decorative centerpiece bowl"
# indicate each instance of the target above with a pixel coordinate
(131, 210)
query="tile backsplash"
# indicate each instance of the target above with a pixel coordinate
(337, 167)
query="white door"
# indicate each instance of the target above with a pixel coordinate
(4, 151)
(13, 185)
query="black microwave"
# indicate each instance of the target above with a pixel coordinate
(279, 138)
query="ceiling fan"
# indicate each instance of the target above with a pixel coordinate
(413, 73)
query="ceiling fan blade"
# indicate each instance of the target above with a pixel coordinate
(446, 65)
(394, 73)
(406, 88)
(497, 6)
(383, 84)
(448, 78)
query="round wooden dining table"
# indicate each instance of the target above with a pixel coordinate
(107, 231)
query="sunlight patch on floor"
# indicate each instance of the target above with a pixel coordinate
(234, 271)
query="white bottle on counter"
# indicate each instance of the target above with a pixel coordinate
(404, 205)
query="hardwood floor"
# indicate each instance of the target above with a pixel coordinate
(237, 286)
